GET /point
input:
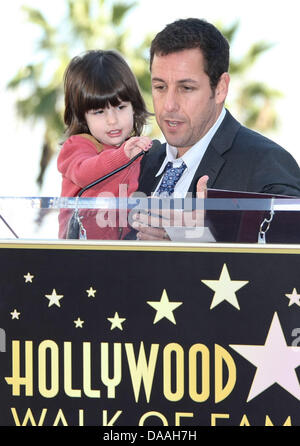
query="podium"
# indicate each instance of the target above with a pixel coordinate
(130, 333)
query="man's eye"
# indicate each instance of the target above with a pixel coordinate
(158, 87)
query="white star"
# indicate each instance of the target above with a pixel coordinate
(91, 292)
(164, 308)
(225, 288)
(54, 298)
(28, 277)
(78, 323)
(275, 361)
(15, 314)
(116, 321)
(294, 298)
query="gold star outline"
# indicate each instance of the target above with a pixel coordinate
(28, 277)
(116, 321)
(15, 314)
(91, 292)
(225, 288)
(294, 298)
(54, 298)
(164, 308)
(78, 323)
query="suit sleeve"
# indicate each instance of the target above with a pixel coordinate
(276, 172)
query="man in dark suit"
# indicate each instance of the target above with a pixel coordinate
(189, 62)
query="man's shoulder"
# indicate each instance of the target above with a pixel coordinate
(246, 138)
(154, 154)
(254, 136)
(157, 147)
(150, 165)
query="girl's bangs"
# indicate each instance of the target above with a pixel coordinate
(103, 98)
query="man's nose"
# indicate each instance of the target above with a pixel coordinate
(171, 101)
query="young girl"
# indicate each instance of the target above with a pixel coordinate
(105, 115)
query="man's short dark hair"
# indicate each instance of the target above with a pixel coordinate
(194, 33)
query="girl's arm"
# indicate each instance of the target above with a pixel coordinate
(80, 162)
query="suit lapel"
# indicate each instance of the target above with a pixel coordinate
(211, 164)
(213, 159)
(150, 165)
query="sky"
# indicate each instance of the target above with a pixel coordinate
(273, 21)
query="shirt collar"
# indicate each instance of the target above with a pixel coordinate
(195, 153)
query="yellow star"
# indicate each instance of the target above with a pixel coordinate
(91, 292)
(116, 321)
(15, 314)
(28, 277)
(78, 323)
(294, 298)
(164, 308)
(54, 298)
(225, 288)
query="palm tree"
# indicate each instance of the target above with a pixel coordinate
(253, 101)
(92, 24)
(88, 24)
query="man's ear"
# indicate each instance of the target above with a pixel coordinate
(222, 88)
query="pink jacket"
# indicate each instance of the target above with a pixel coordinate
(83, 160)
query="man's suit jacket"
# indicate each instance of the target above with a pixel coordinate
(237, 159)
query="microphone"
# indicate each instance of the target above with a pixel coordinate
(8, 226)
(75, 226)
(110, 173)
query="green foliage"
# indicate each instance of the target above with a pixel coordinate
(119, 11)
(88, 24)
(91, 24)
(254, 101)
(255, 105)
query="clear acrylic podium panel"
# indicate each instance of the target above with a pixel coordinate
(222, 220)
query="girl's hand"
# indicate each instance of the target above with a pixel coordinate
(136, 144)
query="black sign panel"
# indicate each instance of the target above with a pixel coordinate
(133, 335)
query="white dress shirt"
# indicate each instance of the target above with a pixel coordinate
(192, 159)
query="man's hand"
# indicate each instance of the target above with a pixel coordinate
(137, 144)
(202, 187)
(150, 226)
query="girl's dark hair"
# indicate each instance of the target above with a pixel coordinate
(96, 79)
(195, 33)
